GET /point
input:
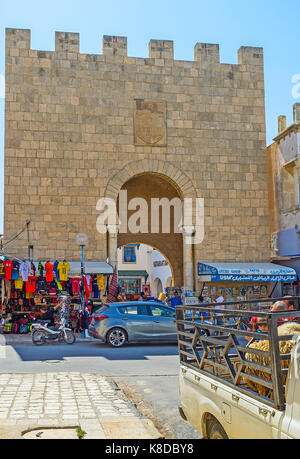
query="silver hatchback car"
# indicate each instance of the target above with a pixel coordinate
(133, 322)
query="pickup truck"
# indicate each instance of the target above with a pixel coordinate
(230, 388)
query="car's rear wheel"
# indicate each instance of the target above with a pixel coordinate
(216, 432)
(116, 337)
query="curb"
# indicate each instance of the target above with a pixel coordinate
(19, 339)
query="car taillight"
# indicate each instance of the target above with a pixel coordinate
(100, 317)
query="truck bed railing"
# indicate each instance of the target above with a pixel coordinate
(223, 346)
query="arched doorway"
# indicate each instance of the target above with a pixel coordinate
(148, 188)
(157, 287)
(183, 261)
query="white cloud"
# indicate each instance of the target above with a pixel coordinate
(2, 87)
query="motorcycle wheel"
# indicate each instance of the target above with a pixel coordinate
(38, 337)
(68, 337)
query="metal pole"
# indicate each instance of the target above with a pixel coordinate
(82, 288)
(82, 262)
(270, 296)
(82, 295)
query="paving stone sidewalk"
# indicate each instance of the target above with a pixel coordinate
(68, 400)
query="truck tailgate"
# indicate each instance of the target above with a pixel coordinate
(240, 415)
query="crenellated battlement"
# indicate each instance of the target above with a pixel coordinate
(205, 52)
(18, 42)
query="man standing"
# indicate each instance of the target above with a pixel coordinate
(175, 300)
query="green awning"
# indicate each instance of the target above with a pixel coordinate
(132, 273)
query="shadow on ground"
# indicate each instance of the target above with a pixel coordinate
(57, 351)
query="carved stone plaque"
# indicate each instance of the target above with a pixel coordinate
(150, 123)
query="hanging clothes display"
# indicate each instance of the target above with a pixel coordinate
(59, 286)
(31, 284)
(86, 287)
(8, 267)
(75, 286)
(49, 271)
(27, 285)
(15, 271)
(2, 270)
(40, 269)
(95, 288)
(100, 281)
(19, 283)
(24, 270)
(63, 269)
(55, 266)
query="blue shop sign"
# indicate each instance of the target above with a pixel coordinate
(247, 272)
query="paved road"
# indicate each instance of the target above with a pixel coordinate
(149, 373)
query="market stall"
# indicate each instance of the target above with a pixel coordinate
(241, 281)
(26, 286)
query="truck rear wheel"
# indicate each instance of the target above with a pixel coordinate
(216, 432)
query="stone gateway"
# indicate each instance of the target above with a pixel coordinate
(80, 127)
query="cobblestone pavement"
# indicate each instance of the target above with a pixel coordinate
(90, 401)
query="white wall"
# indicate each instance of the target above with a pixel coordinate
(145, 258)
(161, 272)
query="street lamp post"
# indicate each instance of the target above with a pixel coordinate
(82, 240)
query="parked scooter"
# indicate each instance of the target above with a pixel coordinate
(42, 334)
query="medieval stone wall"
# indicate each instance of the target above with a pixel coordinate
(75, 123)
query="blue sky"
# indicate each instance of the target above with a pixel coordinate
(272, 24)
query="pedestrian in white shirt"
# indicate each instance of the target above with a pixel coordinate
(219, 299)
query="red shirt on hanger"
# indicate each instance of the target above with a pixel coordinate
(86, 287)
(30, 284)
(75, 286)
(8, 267)
(49, 271)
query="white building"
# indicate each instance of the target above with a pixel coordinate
(142, 268)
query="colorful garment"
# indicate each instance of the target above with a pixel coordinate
(8, 267)
(88, 279)
(63, 269)
(95, 289)
(2, 270)
(86, 288)
(19, 283)
(49, 271)
(59, 286)
(24, 270)
(15, 271)
(100, 281)
(55, 266)
(41, 269)
(32, 270)
(31, 284)
(75, 286)
(41, 285)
